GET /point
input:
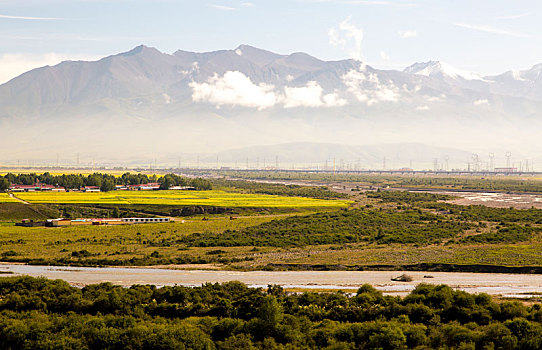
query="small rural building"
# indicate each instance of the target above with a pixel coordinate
(30, 223)
(506, 170)
(105, 221)
(23, 188)
(35, 188)
(183, 188)
(91, 189)
(145, 220)
(152, 186)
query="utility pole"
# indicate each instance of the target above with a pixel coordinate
(491, 161)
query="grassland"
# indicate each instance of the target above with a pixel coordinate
(180, 198)
(355, 256)
(116, 245)
(162, 244)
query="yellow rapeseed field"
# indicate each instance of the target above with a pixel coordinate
(183, 198)
(5, 198)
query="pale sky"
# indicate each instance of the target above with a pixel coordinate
(484, 36)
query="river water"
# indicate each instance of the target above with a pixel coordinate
(505, 285)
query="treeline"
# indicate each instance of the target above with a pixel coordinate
(106, 182)
(45, 314)
(320, 192)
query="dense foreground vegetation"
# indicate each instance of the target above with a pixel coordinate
(45, 314)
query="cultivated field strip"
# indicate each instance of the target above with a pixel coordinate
(182, 198)
(5, 198)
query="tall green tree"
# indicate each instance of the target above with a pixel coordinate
(107, 185)
(4, 184)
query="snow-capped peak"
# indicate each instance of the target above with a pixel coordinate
(440, 70)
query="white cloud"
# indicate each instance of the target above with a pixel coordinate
(439, 98)
(349, 37)
(491, 29)
(234, 88)
(481, 102)
(27, 18)
(15, 64)
(222, 7)
(310, 96)
(380, 2)
(367, 88)
(247, 4)
(384, 56)
(422, 108)
(333, 100)
(405, 34)
(335, 39)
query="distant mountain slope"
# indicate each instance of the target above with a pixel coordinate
(145, 104)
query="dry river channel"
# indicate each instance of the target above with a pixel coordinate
(504, 285)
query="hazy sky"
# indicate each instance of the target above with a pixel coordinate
(486, 36)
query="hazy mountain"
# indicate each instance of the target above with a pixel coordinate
(145, 104)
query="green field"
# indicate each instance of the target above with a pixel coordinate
(117, 245)
(5, 198)
(181, 198)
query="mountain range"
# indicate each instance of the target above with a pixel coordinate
(145, 104)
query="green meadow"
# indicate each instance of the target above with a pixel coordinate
(116, 245)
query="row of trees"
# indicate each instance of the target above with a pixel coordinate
(39, 313)
(106, 182)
